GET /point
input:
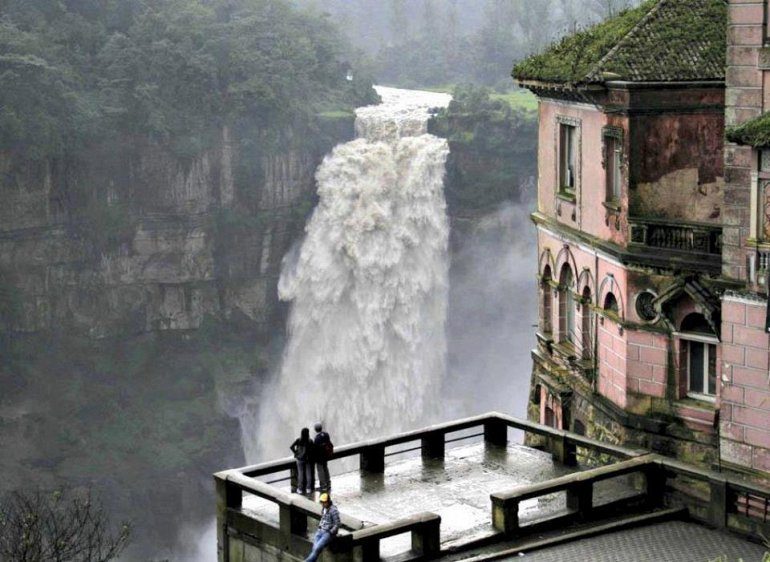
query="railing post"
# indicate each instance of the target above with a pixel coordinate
(655, 482)
(580, 498)
(291, 521)
(718, 502)
(293, 478)
(372, 459)
(496, 432)
(563, 450)
(426, 538)
(228, 496)
(370, 550)
(505, 514)
(433, 445)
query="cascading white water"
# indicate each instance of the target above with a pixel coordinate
(368, 287)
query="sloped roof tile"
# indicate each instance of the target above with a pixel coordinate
(661, 40)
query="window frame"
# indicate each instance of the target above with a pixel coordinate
(567, 158)
(612, 162)
(574, 125)
(709, 343)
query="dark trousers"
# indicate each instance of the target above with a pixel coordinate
(305, 476)
(324, 482)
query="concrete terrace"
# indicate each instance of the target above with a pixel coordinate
(456, 493)
(456, 488)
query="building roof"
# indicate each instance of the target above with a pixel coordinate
(755, 132)
(658, 41)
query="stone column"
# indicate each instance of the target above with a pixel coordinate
(372, 459)
(433, 445)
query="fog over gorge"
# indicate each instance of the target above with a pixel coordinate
(224, 220)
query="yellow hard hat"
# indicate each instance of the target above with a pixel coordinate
(324, 498)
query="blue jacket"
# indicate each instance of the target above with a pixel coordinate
(330, 520)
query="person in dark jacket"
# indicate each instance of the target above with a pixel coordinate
(303, 453)
(322, 443)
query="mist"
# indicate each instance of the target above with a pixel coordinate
(492, 308)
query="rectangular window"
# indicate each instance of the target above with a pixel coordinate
(612, 146)
(567, 158)
(701, 368)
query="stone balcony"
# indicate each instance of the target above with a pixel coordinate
(695, 244)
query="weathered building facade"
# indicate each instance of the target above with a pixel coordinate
(652, 327)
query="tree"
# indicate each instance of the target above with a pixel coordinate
(63, 526)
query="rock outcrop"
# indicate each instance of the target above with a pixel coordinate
(137, 239)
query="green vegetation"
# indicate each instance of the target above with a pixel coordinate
(77, 72)
(571, 59)
(142, 420)
(755, 132)
(518, 99)
(650, 52)
(493, 142)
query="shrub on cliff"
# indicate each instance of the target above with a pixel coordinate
(493, 149)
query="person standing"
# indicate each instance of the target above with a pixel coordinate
(328, 527)
(324, 450)
(303, 453)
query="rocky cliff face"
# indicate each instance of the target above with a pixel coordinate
(138, 307)
(137, 240)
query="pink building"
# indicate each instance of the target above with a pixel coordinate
(651, 333)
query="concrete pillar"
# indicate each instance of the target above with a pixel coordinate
(370, 550)
(433, 445)
(372, 459)
(562, 450)
(293, 478)
(496, 432)
(718, 502)
(292, 522)
(580, 498)
(426, 539)
(505, 514)
(655, 483)
(223, 549)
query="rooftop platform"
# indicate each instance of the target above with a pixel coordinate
(456, 493)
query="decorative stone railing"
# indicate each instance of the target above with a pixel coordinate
(708, 497)
(355, 540)
(730, 503)
(677, 236)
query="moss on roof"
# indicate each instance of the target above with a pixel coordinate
(755, 132)
(660, 40)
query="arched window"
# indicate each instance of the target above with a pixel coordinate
(547, 312)
(585, 324)
(611, 303)
(566, 306)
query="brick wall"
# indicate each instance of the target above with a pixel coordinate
(647, 363)
(743, 101)
(612, 362)
(745, 388)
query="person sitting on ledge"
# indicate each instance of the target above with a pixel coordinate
(327, 527)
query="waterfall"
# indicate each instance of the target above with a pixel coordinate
(368, 287)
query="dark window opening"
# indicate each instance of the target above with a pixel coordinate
(567, 157)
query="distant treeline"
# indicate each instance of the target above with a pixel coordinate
(438, 42)
(78, 71)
